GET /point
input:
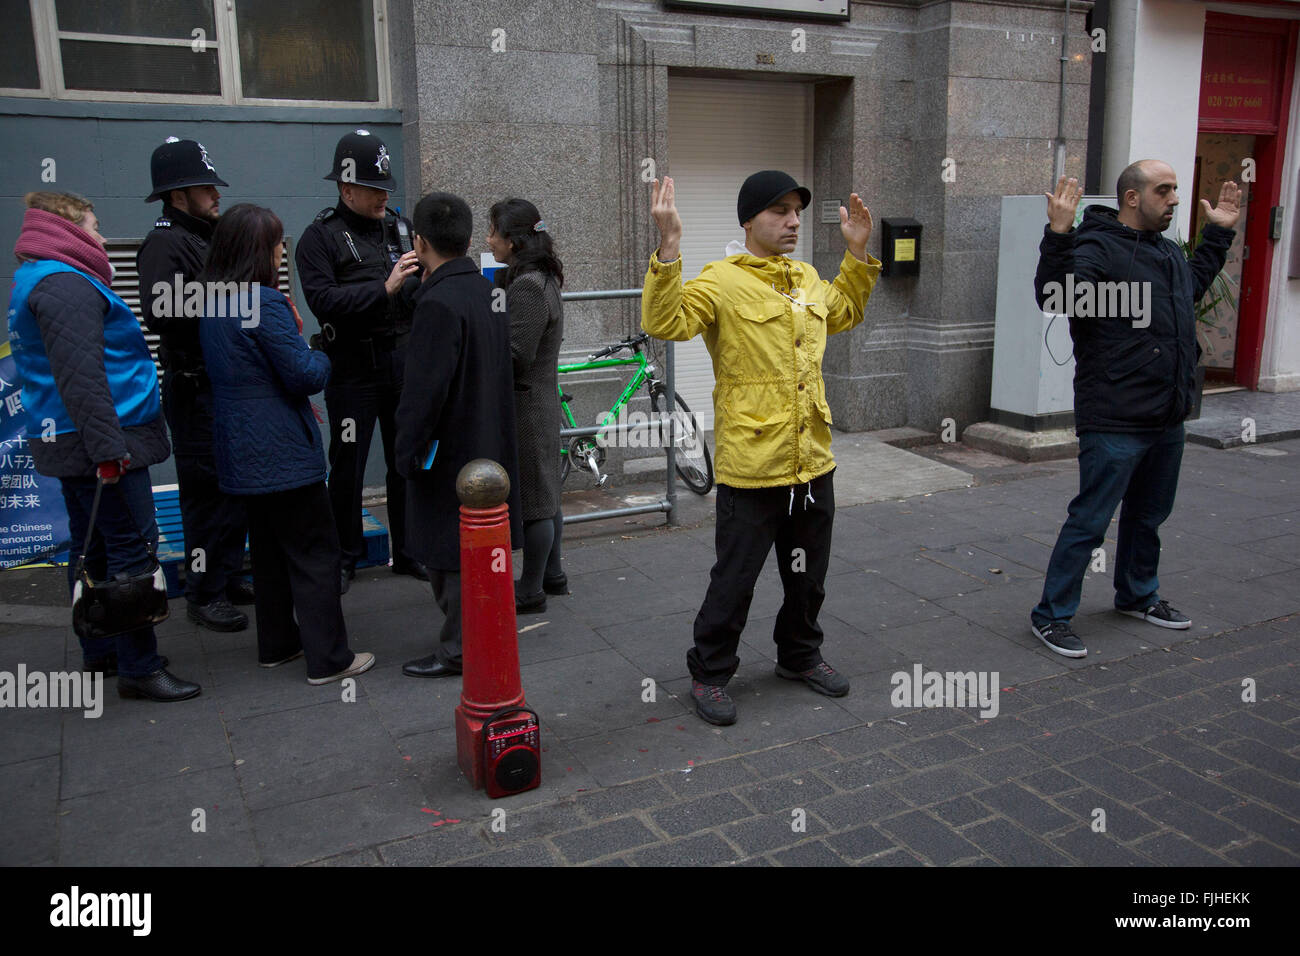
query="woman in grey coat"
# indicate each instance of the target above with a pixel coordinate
(532, 279)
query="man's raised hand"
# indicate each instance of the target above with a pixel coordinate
(664, 211)
(1061, 206)
(855, 226)
(1225, 214)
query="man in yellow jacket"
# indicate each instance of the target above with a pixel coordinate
(765, 318)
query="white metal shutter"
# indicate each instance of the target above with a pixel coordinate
(126, 281)
(719, 132)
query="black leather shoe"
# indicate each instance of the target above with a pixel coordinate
(108, 665)
(412, 568)
(160, 685)
(556, 585)
(429, 667)
(240, 591)
(218, 615)
(530, 603)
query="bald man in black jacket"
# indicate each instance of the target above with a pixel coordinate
(1133, 382)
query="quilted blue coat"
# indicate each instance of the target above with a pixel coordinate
(265, 437)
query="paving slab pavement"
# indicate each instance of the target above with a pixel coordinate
(938, 556)
(1232, 419)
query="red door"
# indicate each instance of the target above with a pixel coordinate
(1247, 69)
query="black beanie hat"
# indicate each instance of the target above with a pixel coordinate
(764, 188)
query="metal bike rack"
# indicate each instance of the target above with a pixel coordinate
(668, 504)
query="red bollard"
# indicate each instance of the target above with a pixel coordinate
(490, 645)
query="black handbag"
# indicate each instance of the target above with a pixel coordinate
(125, 601)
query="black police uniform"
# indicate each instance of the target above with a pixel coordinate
(213, 521)
(343, 261)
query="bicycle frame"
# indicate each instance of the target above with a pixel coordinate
(641, 376)
(697, 472)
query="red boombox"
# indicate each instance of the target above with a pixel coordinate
(512, 751)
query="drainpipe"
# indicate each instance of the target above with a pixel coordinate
(1060, 104)
(1121, 39)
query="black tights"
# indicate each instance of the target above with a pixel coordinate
(541, 552)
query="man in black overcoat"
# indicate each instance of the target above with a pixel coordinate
(459, 392)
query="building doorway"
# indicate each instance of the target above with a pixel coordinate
(720, 131)
(1247, 68)
(1219, 158)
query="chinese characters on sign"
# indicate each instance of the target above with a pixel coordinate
(1239, 81)
(33, 519)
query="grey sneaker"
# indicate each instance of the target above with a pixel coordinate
(1160, 614)
(1059, 637)
(823, 678)
(713, 703)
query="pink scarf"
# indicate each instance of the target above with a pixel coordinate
(47, 236)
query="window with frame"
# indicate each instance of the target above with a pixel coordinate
(296, 52)
(18, 67)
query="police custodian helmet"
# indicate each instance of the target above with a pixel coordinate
(362, 158)
(178, 164)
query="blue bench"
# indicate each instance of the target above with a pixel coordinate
(171, 540)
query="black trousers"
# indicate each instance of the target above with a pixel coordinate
(211, 520)
(798, 520)
(446, 592)
(364, 388)
(295, 553)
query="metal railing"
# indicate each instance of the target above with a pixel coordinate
(668, 503)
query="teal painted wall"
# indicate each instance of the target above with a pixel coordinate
(274, 157)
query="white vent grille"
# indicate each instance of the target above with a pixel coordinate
(126, 282)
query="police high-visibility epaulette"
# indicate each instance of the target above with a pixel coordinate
(163, 224)
(325, 213)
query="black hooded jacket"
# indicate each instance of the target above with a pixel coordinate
(1131, 378)
(177, 246)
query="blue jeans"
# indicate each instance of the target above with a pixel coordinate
(1142, 472)
(115, 547)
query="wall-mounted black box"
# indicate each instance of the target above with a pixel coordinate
(900, 247)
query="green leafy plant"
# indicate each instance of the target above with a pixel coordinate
(1222, 294)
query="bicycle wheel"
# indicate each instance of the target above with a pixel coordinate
(694, 464)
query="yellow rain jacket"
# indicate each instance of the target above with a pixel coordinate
(765, 323)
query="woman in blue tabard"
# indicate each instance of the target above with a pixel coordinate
(86, 370)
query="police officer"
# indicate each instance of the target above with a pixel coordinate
(172, 255)
(359, 275)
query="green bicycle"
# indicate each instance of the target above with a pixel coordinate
(694, 464)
